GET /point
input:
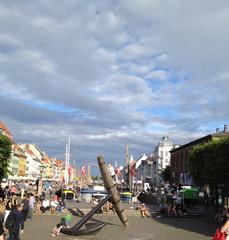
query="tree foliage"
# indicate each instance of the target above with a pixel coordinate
(165, 174)
(5, 156)
(209, 163)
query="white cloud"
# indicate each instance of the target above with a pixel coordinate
(134, 51)
(99, 57)
(158, 74)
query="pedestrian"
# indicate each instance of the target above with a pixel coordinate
(56, 230)
(15, 223)
(7, 192)
(38, 204)
(31, 206)
(2, 194)
(25, 207)
(22, 187)
(61, 205)
(2, 209)
(45, 205)
(111, 207)
(66, 220)
(7, 209)
(13, 190)
(144, 210)
(225, 227)
(54, 204)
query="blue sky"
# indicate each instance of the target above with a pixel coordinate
(111, 73)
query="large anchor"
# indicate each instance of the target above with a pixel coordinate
(113, 196)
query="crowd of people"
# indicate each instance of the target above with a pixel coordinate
(18, 204)
(171, 201)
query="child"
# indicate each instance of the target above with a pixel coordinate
(56, 230)
(66, 220)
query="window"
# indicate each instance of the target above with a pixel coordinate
(161, 154)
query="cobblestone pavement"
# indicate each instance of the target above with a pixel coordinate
(164, 228)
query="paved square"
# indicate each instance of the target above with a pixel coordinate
(140, 228)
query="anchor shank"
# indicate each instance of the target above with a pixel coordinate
(92, 212)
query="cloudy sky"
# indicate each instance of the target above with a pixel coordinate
(111, 73)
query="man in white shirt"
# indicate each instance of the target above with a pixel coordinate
(45, 205)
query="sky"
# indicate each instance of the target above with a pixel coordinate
(113, 73)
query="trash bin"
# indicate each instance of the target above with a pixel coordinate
(126, 197)
(69, 194)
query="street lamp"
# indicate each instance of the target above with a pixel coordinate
(39, 190)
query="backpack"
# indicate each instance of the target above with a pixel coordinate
(11, 222)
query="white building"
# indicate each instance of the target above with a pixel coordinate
(144, 168)
(162, 156)
(34, 150)
(32, 165)
(33, 160)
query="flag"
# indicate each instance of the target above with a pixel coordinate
(69, 171)
(132, 166)
(132, 169)
(83, 171)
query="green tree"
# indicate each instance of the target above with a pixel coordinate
(165, 174)
(5, 155)
(209, 163)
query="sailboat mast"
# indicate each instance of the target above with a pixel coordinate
(66, 163)
(68, 159)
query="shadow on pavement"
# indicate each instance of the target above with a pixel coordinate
(189, 224)
(80, 214)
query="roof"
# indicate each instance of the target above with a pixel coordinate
(6, 130)
(204, 139)
(30, 152)
(58, 162)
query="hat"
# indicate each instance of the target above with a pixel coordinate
(143, 203)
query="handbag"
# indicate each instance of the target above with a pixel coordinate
(219, 236)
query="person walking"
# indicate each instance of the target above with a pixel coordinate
(2, 195)
(31, 206)
(15, 223)
(2, 209)
(25, 207)
(22, 187)
(7, 209)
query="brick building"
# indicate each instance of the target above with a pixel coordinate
(180, 156)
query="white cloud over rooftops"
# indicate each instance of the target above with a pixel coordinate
(112, 65)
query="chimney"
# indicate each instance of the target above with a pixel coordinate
(225, 128)
(217, 130)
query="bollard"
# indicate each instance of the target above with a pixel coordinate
(110, 185)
